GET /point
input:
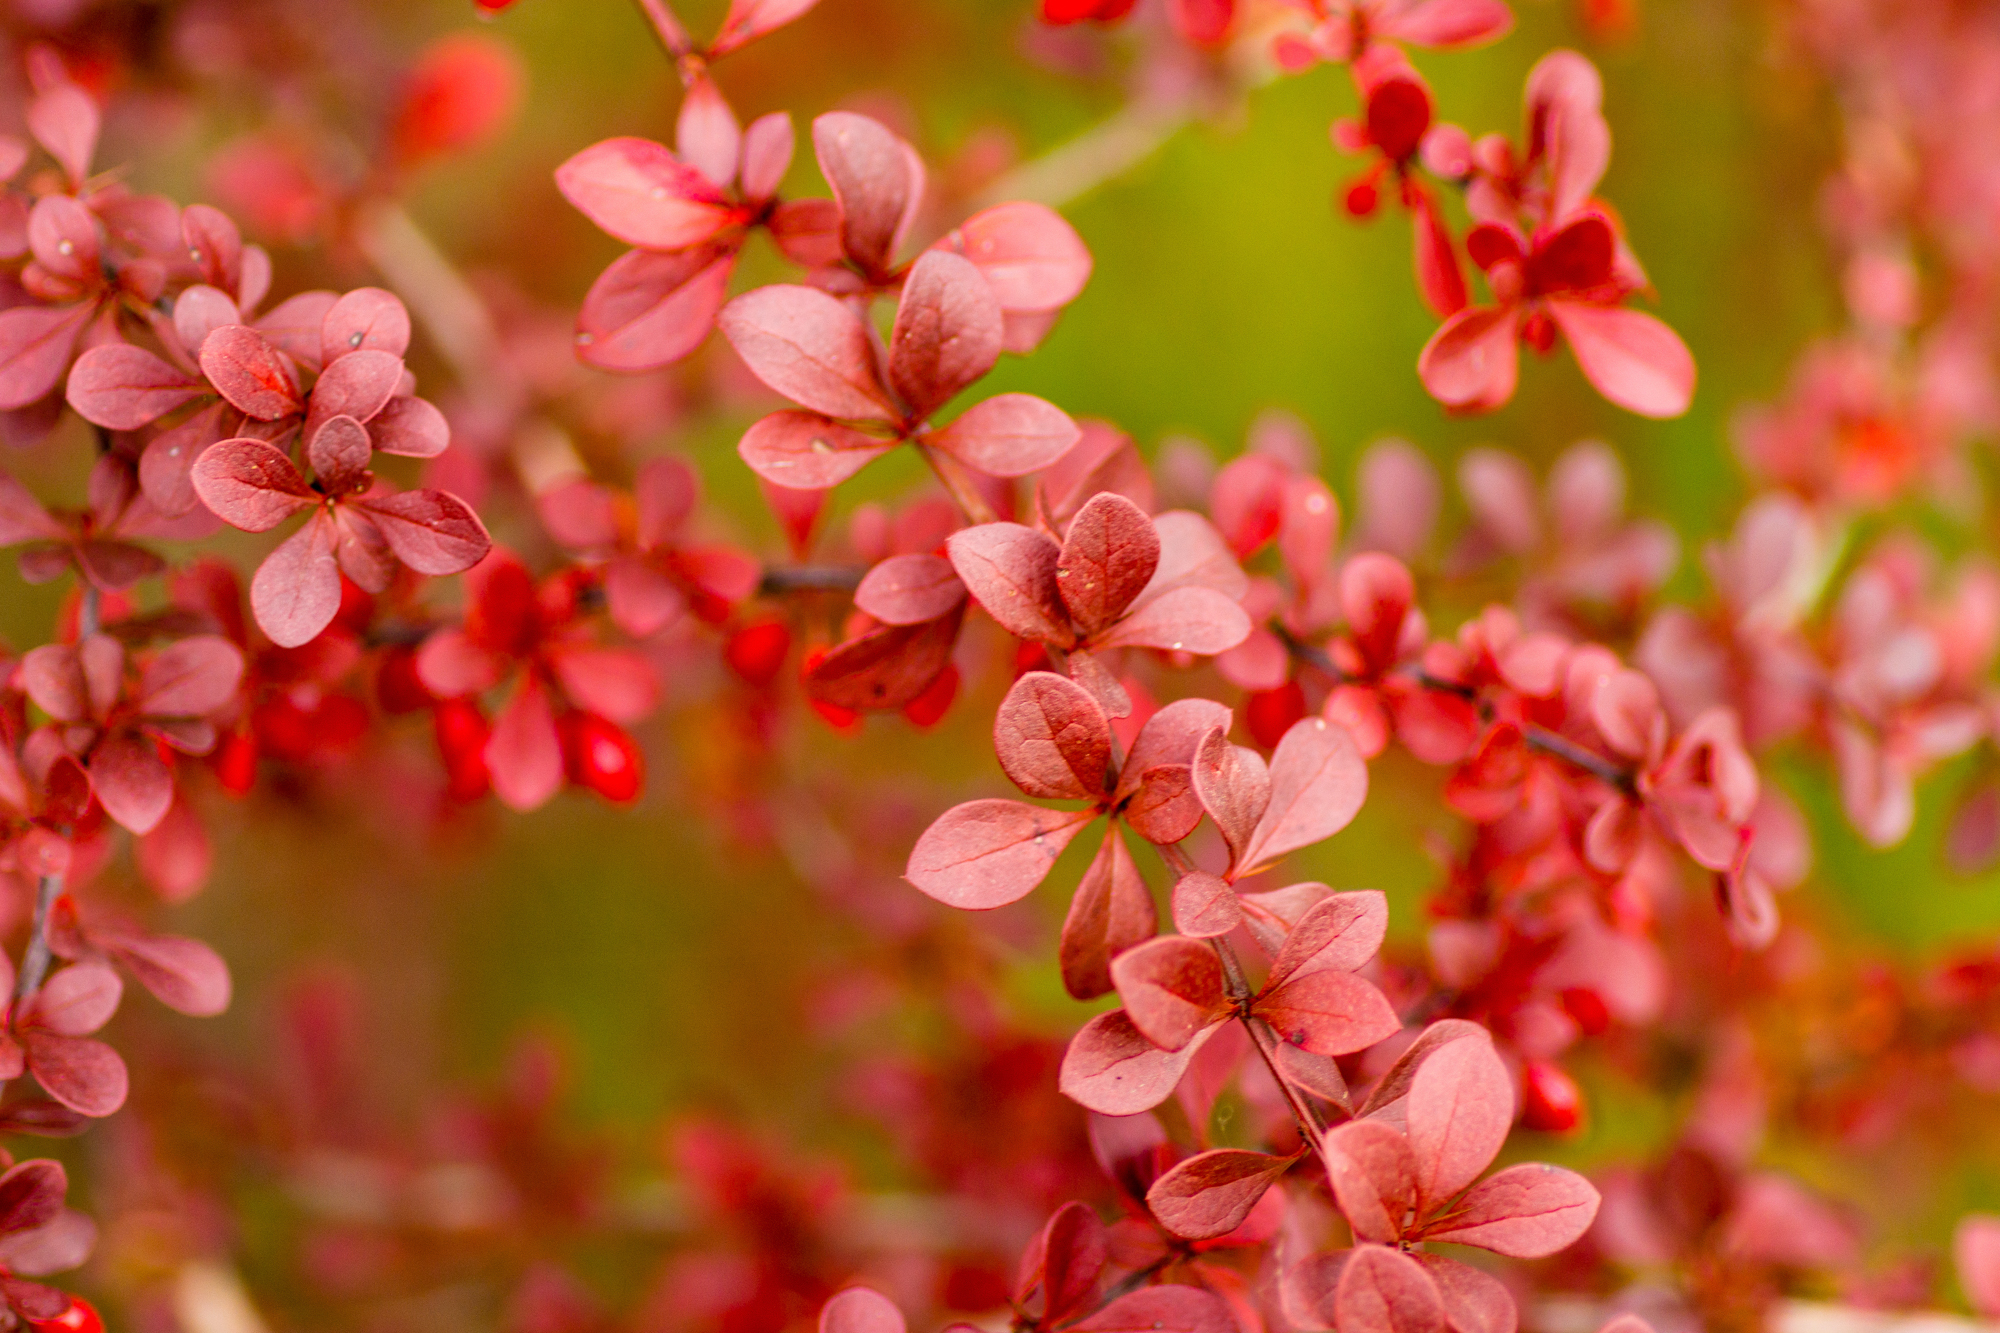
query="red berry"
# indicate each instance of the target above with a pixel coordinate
(1270, 713)
(757, 652)
(1030, 656)
(397, 685)
(1361, 198)
(1587, 1007)
(235, 762)
(461, 739)
(81, 1317)
(1553, 1103)
(928, 708)
(601, 755)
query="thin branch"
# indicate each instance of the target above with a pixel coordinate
(35, 960)
(781, 579)
(667, 27)
(451, 312)
(1105, 151)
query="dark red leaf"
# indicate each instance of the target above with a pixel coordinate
(1111, 912)
(1053, 740)
(1172, 987)
(1062, 1264)
(1010, 571)
(1108, 556)
(947, 332)
(31, 1195)
(339, 451)
(1210, 1194)
(887, 667)
(250, 373)
(877, 181)
(1112, 1069)
(433, 532)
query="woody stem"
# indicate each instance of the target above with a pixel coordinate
(35, 959)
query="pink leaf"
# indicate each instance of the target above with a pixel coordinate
(1210, 1194)
(808, 451)
(767, 154)
(296, 591)
(1028, 254)
(1374, 1177)
(358, 385)
(185, 975)
(200, 311)
(1471, 364)
(1450, 25)
(250, 373)
(1112, 1069)
(1172, 736)
(22, 517)
(297, 325)
(65, 121)
(1632, 358)
(366, 319)
(650, 309)
(947, 332)
(1052, 739)
(1975, 1249)
(132, 782)
(1165, 1309)
(989, 853)
(1329, 1013)
(1386, 1291)
(1205, 905)
(909, 589)
(524, 753)
(411, 428)
(121, 387)
(1009, 435)
(809, 347)
(1172, 987)
(338, 451)
(1234, 786)
(176, 857)
(1476, 1302)
(250, 484)
(85, 1075)
(748, 20)
(706, 133)
(616, 683)
(1461, 1107)
(860, 1310)
(1190, 620)
(1010, 571)
(76, 1001)
(875, 179)
(1339, 933)
(1394, 1085)
(1062, 1264)
(642, 194)
(1440, 280)
(1525, 1212)
(1111, 912)
(192, 677)
(35, 346)
(1318, 783)
(433, 532)
(1108, 556)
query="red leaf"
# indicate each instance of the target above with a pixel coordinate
(411, 428)
(1449, 25)
(121, 387)
(1394, 1085)
(1248, 501)
(185, 975)
(748, 20)
(1008, 435)
(1461, 1107)
(83, 1074)
(1062, 1264)
(1205, 906)
(296, 591)
(1191, 620)
(1165, 1309)
(767, 155)
(860, 1310)
(367, 318)
(885, 668)
(989, 853)
(338, 451)
(75, 1001)
(1471, 364)
(132, 782)
(811, 348)
(1210, 1194)
(1385, 1291)
(1108, 556)
(1171, 736)
(808, 451)
(31, 1195)
(1339, 933)
(250, 373)
(1088, 671)
(250, 484)
(1234, 787)
(1318, 1074)
(524, 752)
(1111, 912)
(1164, 808)
(1476, 1302)
(706, 133)
(1172, 988)
(1027, 253)
(1052, 739)
(1525, 1212)
(1010, 571)
(877, 181)
(1329, 1013)
(1318, 783)
(297, 325)
(1374, 1177)
(1440, 280)
(200, 311)
(358, 385)
(52, 677)
(909, 589)
(642, 194)
(192, 677)
(650, 309)
(947, 332)
(65, 121)
(1632, 358)
(807, 231)
(22, 517)
(616, 683)
(433, 532)
(35, 346)
(1112, 1069)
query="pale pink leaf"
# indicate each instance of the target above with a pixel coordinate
(1318, 784)
(642, 194)
(1461, 1107)
(1008, 435)
(988, 853)
(121, 387)
(1525, 1212)
(1632, 358)
(810, 347)
(296, 591)
(807, 450)
(1112, 1069)
(909, 589)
